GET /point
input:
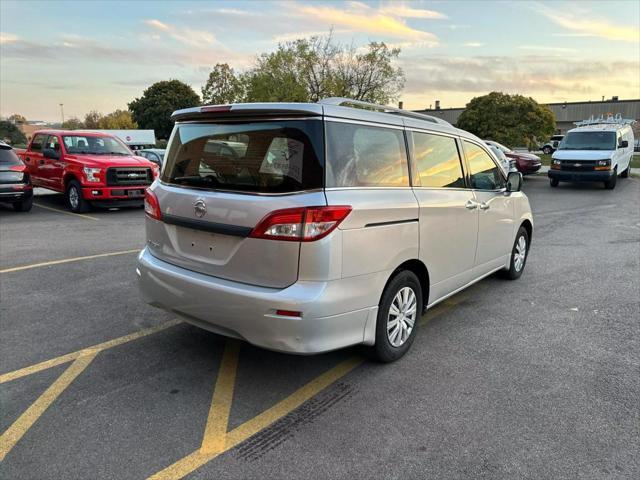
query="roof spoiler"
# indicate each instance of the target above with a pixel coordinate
(248, 110)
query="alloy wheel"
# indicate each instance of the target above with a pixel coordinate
(520, 254)
(402, 316)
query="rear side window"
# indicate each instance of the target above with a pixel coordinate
(8, 157)
(437, 160)
(365, 156)
(484, 173)
(36, 144)
(263, 157)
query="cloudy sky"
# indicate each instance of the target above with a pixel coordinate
(99, 55)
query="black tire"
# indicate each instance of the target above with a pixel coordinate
(547, 150)
(514, 272)
(611, 183)
(554, 182)
(383, 350)
(76, 203)
(627, 172)
(24, 205)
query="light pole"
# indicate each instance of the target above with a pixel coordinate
(62, 112)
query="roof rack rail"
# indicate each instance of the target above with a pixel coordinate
(341, 101)
(610, 120)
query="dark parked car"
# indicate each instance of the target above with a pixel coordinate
(15, 186)
(526, 163)
(156, 155)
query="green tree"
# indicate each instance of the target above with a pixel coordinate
(513, 120)
(154, 108)
(223, 86)
(92, 119)
(277, 77)
(307, 70)
(11, 134)
(17, 118)
(73, 123)
(118, 120)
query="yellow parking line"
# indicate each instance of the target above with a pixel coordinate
(198, 458)
(80, 215)
(66, 260)
(16, 431)
(38, 367)
(218, 420)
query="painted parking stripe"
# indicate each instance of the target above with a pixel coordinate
(77, 215)
(67, 260)
(18, 428)
(238, 435)
(53, 362)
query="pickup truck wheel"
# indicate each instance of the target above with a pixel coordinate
(76, 203)
(519, 254)
(546, 150)
(24, 205)
(554, 182)
(398, 315)
(611, 183)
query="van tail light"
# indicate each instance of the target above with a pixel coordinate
(305, 224)
(151, 205)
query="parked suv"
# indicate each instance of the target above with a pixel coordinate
(552, 145)
(324, 225)
(15, 186)
(91, 168)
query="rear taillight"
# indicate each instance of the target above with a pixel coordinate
(304, 224)
(151, 205)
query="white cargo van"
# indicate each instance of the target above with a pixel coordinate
(598, 150)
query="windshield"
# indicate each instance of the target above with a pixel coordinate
(589, 141)
(94, 145)
(266, 157)
(499, 146)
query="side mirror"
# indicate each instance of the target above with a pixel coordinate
(624, 144)
(51, 153)
(514, 182)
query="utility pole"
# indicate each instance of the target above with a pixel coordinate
(62, 112)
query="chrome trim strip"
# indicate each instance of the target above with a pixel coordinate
(222, 228)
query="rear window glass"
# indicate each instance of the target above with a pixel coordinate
(8, 157)
(262, 157)
(365, 156)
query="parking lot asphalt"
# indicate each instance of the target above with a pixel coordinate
(537, 378)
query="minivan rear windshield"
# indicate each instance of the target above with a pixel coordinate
(280, 156)
(589, 141)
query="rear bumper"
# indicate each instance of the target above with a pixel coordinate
(335, 314)
(15, 193)
(107, 194)
(592, 176)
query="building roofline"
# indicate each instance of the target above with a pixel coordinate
(584, 102)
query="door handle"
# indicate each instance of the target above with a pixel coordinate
(484, 206)
(41, 162)
(471, 205)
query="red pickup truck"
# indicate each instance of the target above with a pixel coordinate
(90, 168)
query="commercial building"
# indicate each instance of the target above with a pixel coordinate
(566, 113)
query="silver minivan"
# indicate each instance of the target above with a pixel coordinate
(305, 228)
